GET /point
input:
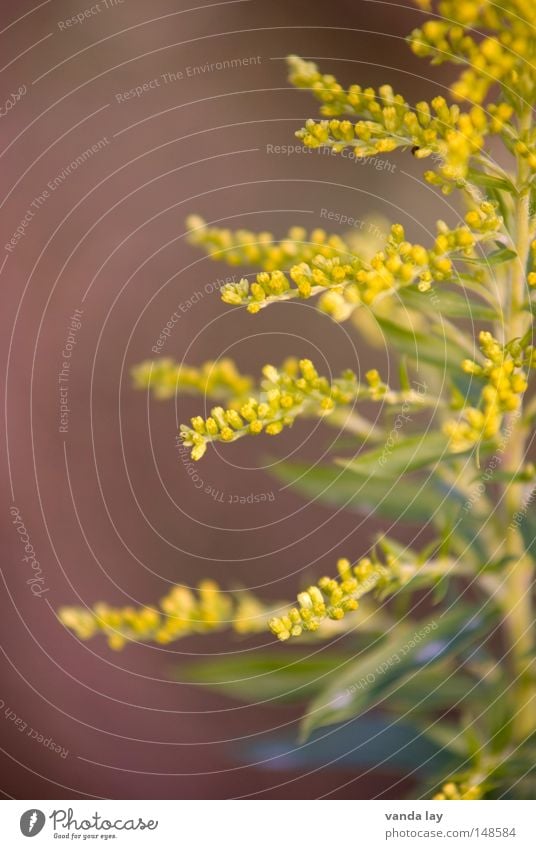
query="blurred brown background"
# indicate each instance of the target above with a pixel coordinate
(109, 508)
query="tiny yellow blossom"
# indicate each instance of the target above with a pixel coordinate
(346, 284)
(263, 250)
(293, 390)
(385, 121)
(165, 377)
(333, 598)
(452, 791)
(505, 382)
(180, 613)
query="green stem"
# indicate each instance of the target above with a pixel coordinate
(516, 597)
(354, 423)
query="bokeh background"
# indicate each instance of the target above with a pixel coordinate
(110, 509)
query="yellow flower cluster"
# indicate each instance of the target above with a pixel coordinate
(217, 379)
(505, 383)
(285, 393)
(452, 792)
(484, 219)
(386, 122)
(332, 598)
(350, 283)
(506, 54)
(244, 247)
(180, 613)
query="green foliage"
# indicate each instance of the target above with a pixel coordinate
(400, 659)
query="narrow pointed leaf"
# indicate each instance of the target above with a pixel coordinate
(375, 675)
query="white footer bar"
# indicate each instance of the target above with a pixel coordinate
(267, 824)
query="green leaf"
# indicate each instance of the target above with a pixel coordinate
(448, 303)
(526, 475)
(372, 678)
(406, 455)
(416, 501)
(282, 676)
(421, 347)
(432, 688)
(447, 735)
(403, 375)
(374, 740)
(488, 181)
(494, 258)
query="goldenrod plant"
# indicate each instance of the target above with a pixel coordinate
(446, 634)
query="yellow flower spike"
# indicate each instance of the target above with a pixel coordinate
(261, 249)
(346, 282)
(295, 389)
(504, 384)
(180, 613)
(387, 121)
(333, 598)
(217, 379)
(504, 56)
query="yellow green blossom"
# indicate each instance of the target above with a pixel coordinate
(494, 41)
(333, 598)
(452, 791)
(505, 382)
(295, 389)
(217, 379)
(180, 613)
(244, 247)
(345, 284)
(385, 122)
